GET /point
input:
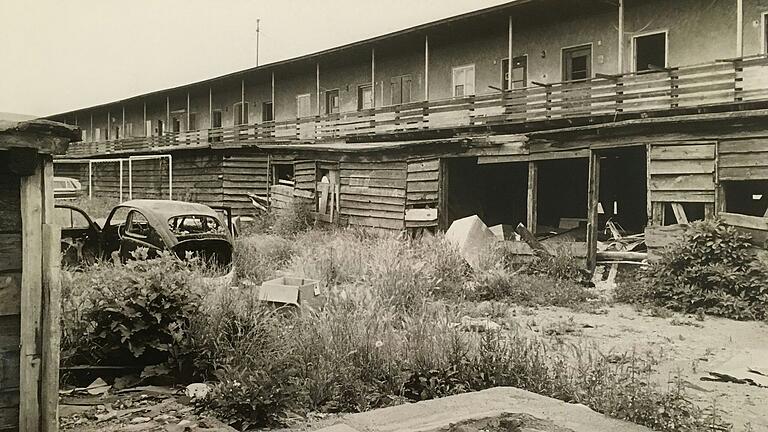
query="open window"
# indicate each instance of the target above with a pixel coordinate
(282, 173)
(748, 197)
(650, 52)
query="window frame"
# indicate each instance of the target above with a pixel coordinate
(271, 111)
(504, 71)
(242, 119)
(401, 79)
(577, 47)
(274, 166)
(465, 68)
(326, 93)
(665, 32)
(764, 33)
(360, 100)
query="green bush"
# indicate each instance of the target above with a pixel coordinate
(712, 271)
(292, 220)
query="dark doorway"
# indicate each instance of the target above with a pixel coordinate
(562, 196)
(623, 189)
(651, 52)
(577, 63)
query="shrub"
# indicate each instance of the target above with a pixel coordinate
(137, 314)
(258, 257)
(294, 219)
(712, 271)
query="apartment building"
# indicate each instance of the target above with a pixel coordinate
(553, 113)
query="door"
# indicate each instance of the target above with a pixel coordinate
(332, 101)
(650, 52)
(401, 89)
(577, 63)
(519, 73)
(80, 238)
(139, 234)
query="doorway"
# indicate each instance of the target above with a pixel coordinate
(650, 52)
(577, 63)
(332, 101)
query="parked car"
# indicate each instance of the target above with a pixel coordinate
(66, 188)
(186, 229)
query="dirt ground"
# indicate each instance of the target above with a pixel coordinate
(683, 345)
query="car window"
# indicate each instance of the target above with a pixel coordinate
(60, 184)
(195, 224)
(137, 225)
(119, 216)
(67, 218)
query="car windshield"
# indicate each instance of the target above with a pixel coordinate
(195, 224)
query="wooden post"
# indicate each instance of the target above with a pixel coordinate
(106, 131)
(533, 183)
(32, 203)
(509, 65)
(426, 67)
(593, 199)
(147, 131)
(122, 126)
(189, 115)
(317, 86)
(167, 114)
(51, 309)
(740, 28)
(648, 202)
(373, 78)
(273, 97)
(243, 119)
(620, 51)
(91, 127)
(210, 107)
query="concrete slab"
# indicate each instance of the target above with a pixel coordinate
(471, 236)
(437, 415)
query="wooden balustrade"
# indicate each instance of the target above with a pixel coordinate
(724, 82)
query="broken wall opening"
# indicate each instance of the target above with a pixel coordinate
(624, 189)
(747, 197)
(562, 196)
(496, 193)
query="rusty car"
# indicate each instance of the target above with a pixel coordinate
(149, 226)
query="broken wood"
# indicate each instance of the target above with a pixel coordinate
(621, 256)
(679, 212)
(530, 239)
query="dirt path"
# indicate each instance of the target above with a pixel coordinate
(683, 345)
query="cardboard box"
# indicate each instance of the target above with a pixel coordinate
(291, 290)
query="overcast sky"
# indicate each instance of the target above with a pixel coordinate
(59, 55)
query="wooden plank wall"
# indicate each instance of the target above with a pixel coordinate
(304, 175)
(745, 159)
(373, 194)
(422, 188)
(10, 300)
(243, 173)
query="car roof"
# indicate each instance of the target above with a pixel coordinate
(166, 209)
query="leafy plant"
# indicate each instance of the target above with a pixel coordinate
(712, 271)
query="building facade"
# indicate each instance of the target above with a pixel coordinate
(547, 112)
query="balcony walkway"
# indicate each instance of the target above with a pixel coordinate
(726, 82)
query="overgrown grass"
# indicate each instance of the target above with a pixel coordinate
(389, 333)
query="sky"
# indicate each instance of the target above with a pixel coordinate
(60, 55)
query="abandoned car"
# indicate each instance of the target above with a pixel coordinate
(186, 229)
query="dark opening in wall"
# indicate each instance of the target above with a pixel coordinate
(623, 188)
(496, 193)
(692, 211)
(562, 194)
(282, 173)
(749, 197)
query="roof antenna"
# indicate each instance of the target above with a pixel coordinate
(257, 41)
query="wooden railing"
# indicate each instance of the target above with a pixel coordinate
(724, 82)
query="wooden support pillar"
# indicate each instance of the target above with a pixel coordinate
(593, 199)
(740, 28)
(373, 77)
(620, 51)
(533, 186)
(243, 118)
(147, 131)
(167, 114)
(317, 86)
(648, 202)
(509, 69)
(91, 127)
(106, 130)
(122, 126)
(426, 68)
(210, 107)
(273, 97)
(189, 114)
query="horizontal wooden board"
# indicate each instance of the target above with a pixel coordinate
(9, 365)
(372, 191)
(428, 165)
(682, 167)
(420, 215)
(373, 182)
(400, 166)
(683, 196)
(658, 237)
(757, 159)
(396, 208)
(373, 199)
(425, 186)
(743, 173)
(744, 221)
(685, 182)
(422, 196)
(376, 222)
(682, 152)
(423, 176)
(379, 214)
(743, 146)
(374, 173)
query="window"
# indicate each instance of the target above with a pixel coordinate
(67, 218)
(519, 73)
(463, 81)
(650, 52)
(364, 97)
(332, 101)
(401, 89)
(97, 134)
(303, 106)
(192, 122)
(175, 125)
(216, 119)
(138, 226)
(267, 111)
(282, 173)
(577, 63)
(765, 33)
(240, 113)
(194, 224)
(749, 197)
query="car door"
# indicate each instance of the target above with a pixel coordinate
(80, 236)
(139, 234)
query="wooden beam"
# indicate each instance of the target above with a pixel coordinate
(531, 240)
(210, 107)
(740, 28)
(122, 126)
(679, 212)
(426, 67)
(620, 54)
(147, 131)
(533, 187)
(317, 84)
(373, 77)
(648, 202)
(593, 199)
(273, 97)
(51, 309)
(31, 296)
(509, 54)
(188, 111)
(167, 115)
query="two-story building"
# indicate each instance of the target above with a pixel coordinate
(553, 113)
